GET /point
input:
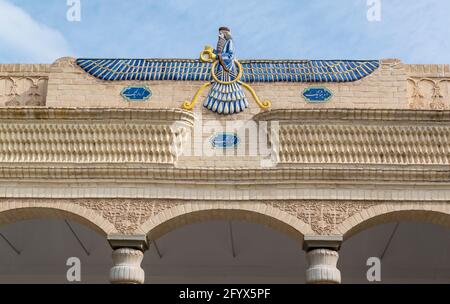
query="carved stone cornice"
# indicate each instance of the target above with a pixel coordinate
(21, 69)
(86, 136)
(153, 116)
(365, 144)
(315, 145)
(354, 115)
(219, 175)
(351, 136)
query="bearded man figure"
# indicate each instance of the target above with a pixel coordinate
(226, 95)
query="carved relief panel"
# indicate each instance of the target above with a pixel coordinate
(16, 91)
(429, 93)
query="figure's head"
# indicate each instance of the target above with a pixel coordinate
(225, 32)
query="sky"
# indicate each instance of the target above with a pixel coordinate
(33, 31)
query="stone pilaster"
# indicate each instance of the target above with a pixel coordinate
(127, 257)
(322, 255)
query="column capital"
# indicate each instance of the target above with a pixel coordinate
(322, 267)
(333, 242)
(139, 242)
(127, 266)
(322, 255)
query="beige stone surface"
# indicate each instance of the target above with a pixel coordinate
(322, 267)
(70, 86)
(155, 217)
(428, 86)
(72, 147)
(23, 85)
(63, 84)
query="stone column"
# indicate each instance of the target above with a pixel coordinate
(322, 255)
(127, 257)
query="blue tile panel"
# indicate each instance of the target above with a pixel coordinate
(136, 93)
(254, 70)
(317, 94)
(224, 140)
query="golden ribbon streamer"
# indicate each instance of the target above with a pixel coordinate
(190, 105)
(265, 104)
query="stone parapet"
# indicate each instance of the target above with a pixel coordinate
(379, 137)
(91, 136)
(333, 144)
(394, 85)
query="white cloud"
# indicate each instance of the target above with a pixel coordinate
(20, 33)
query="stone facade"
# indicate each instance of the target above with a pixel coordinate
(428, 86)
(71, 86)
(72, 147)
(24, 85)
(63, 84)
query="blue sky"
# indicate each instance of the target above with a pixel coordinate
(33, 31)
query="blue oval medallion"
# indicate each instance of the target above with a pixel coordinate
(317, 94)
(136, 93)
(224, 140)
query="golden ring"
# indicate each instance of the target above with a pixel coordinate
(239, 76)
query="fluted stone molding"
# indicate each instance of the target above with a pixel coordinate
(349, 136)
(322, 267)
(65, 143)
(365, 144)
(127, 266)
(96, 143)
(37, 135)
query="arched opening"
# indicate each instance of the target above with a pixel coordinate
(411, 245)
(178, 216)
(245, 244)
(22, 210)
(224, 251)
(45, 244)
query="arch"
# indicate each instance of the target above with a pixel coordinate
(435, 213)
(261, 213)
(14, 211)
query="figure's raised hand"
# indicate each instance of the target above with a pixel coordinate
(208, 55)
